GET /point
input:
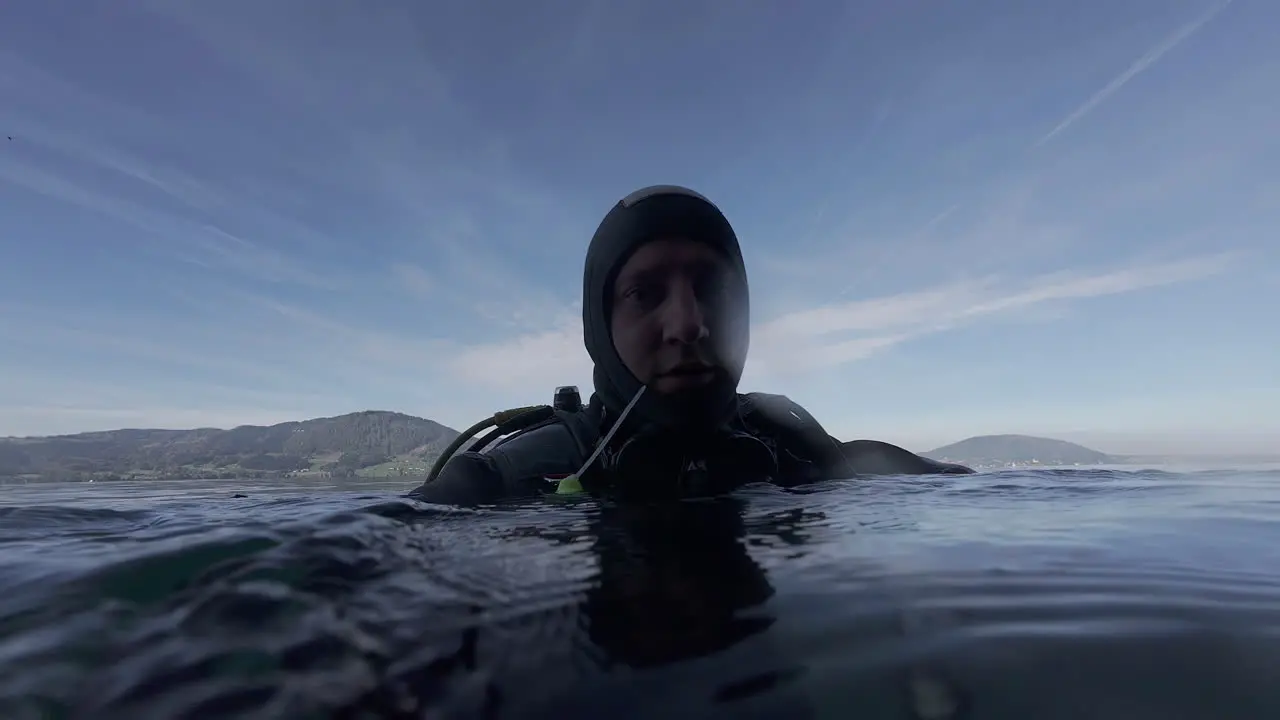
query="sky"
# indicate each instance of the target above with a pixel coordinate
(1053, 218)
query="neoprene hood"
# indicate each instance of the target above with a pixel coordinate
(641, 217)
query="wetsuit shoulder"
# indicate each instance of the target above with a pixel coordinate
(557, 448)
(873, 457)
(781, 410)
(857, 457)
(468, 478)
(512, 469)
(805, 451)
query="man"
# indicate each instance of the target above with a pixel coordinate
(665, 314)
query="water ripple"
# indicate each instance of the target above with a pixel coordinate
(1046, 594)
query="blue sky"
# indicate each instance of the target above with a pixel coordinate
(959, 218)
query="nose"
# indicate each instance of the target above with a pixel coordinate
(683, 320)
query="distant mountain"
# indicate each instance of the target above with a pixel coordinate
(369, 442)
(1002, 450)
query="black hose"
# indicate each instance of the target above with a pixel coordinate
(507, 421)
(487, 439)
(464, 436)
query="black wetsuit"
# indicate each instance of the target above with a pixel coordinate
(757, 446)
(704, 442)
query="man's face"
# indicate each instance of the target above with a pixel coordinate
(670, 301)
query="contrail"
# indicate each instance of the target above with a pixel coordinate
(1142, 63)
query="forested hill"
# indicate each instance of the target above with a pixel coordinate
(387, 443)
(369, 443)
(996, 450)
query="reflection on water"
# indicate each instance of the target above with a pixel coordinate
(1050, 594)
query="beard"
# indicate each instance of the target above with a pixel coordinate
(701, 409)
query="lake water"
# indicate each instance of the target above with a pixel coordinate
(1074, 594)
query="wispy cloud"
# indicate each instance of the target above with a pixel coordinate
(1151, 57)
(991, 227)
(178, 229)
(459, 215)
(534, 360)
(413, 279)
(252, 259)
(812, 339)
(364, 347)
(819, 337)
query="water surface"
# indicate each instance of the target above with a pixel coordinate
(1044, 594)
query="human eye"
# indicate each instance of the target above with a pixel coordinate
(643, 295)
(712, 286)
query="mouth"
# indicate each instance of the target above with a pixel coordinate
(690, 369)
(688, 375)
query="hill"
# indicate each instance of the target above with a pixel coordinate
(1003, 450)
(369, 442)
